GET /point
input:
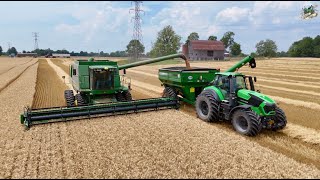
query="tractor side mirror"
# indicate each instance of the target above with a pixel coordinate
(255, 79)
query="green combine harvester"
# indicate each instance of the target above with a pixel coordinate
(228, 95)
(217, 96)
(99, 92)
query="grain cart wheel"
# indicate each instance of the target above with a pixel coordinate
(127, 95)
(246, 122)
(280, 120)
(120, 97)
(80, 100)
(207, 107)
(69, 97)
(169, 92)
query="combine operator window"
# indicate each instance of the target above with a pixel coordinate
(102, 79)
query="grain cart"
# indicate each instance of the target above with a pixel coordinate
(228, 95)
(99, 92)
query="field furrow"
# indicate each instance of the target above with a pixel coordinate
(49, 88)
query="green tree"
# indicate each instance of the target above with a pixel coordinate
(212, 38)
(282, 54)
(192, 36)
(266, 48)
(135, 45)
(304, 47)
(168, 42)
(12, 50)
(0, 50)
(228, 39)
(235, 49)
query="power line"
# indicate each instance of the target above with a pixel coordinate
(35, 35)
(137, 32)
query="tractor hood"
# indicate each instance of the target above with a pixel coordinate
(254, 96)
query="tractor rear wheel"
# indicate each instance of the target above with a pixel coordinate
(169, 92)
(80, 100)
(246, 122)
(127, 95)
(120, 97)
(280, 119)
(69, 97)
(207, 107)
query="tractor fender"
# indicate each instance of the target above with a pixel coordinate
(245, 106)
(214, 93)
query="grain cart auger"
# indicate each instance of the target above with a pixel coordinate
(100, 92)
(228, 95)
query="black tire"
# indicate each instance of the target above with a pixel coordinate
(207, 107)
(169, 92)
(280, 120)
(246, 122)
(127, 95)
(120, 97)
(69, 97)
(80, 100)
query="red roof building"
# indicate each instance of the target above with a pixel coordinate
(204, 50)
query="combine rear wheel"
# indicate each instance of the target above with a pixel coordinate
(169, 92)
(127, 95)
(69, 97)
(80, 100)
(207, 107)
(280, 119)
(246, 122)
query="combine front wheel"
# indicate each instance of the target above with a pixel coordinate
(246, 122)
(127, 95)
(80, 100)
(69, 97)
(120, 97)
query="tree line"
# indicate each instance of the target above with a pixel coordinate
(168, 42)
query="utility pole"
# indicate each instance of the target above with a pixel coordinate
(35, 35)
(137, 32)
(9, 45)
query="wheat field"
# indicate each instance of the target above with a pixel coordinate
(160, 144)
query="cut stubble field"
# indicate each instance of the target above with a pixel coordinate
(162, 144)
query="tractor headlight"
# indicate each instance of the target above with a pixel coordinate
(269, 107)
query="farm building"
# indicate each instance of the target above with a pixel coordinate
(27, 55)
(204, 50)
(61, 55)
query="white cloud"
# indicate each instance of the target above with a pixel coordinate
(233, 14)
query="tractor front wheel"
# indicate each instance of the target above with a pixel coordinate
(69, 97)
(207, 107)
(246, 122)
(280, 120)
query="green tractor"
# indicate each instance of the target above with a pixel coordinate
(219, 96)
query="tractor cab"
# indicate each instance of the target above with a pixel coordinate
(232, 82)
(102, 77)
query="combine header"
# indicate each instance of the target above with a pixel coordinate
(99, 92)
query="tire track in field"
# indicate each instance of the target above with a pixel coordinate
(16, 77)
(16, 66)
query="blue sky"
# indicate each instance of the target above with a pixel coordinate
(106, 26)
